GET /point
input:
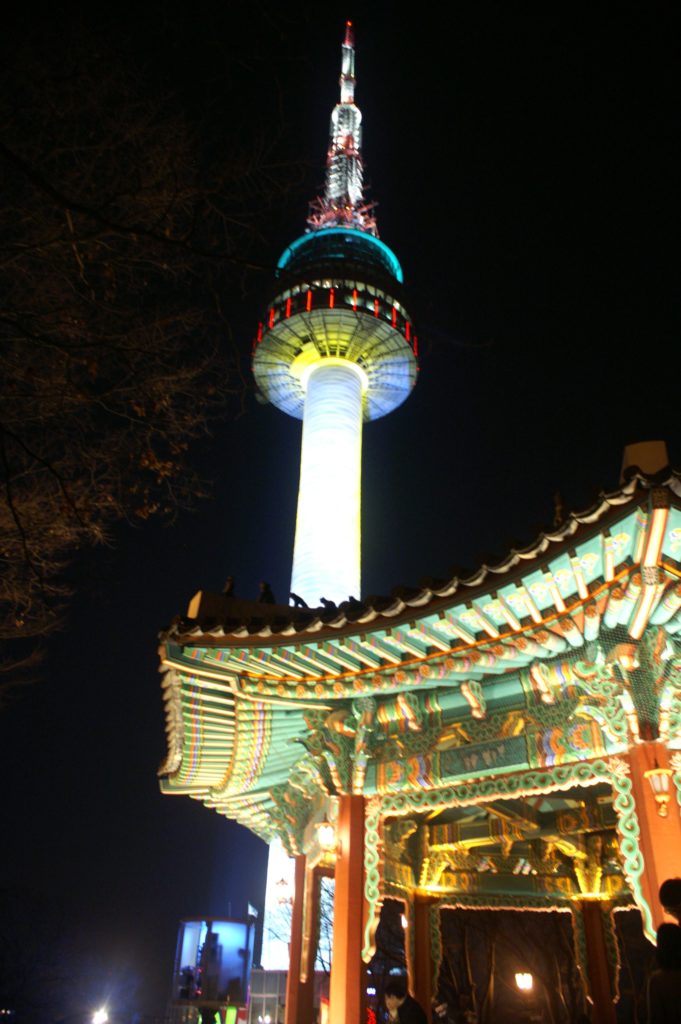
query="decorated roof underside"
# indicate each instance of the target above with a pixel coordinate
(488, 716)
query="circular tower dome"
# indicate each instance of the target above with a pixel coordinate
(339, 297)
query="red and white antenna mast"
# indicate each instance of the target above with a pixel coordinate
(342, 204)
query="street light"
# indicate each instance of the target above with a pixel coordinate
(100, 1016)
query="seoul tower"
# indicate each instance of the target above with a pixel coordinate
(336, 348)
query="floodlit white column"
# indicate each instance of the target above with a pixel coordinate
(326, 554)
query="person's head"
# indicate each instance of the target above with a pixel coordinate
(670, 897)
(669, 947)
(394, 994)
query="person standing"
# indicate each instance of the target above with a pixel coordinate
(670, 897)
(664, 984)
(402, 1007)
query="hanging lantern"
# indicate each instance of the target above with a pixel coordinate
(326, 834)
(659, 783)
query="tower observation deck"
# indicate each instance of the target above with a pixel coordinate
(336, 347)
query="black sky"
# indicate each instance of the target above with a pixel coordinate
(526, 169)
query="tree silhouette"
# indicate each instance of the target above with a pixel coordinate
(484, 948)
(120, 239)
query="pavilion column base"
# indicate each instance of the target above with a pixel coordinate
(423, 967)
(597, 967)
(299, 994)
(660, 836)
(348, 974)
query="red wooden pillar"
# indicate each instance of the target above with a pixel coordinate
(423, 969)
(660, 838)
(299, 994)
(597, 966)
(346, 991)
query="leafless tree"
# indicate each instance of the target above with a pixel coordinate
(278, 925)
(119, 241)
(483, 949)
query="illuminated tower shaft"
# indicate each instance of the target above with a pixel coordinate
(336, 349)
(328, 533)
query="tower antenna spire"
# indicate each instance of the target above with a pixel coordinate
(343, 204)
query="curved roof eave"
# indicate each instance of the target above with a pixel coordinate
(284, 624)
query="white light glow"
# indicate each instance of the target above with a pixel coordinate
(100, 1016)
(277, 916)
(326, 834)
(524, 981)
(326, 556)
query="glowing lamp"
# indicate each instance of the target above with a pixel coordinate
(524, 981)
(659, 784)
(403, 920)
(326, 834)
(100, 1016)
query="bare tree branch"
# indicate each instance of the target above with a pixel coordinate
(121, 244)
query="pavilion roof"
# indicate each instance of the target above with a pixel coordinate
(215, 620)
(489, 673)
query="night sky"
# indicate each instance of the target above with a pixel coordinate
(526, 170)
